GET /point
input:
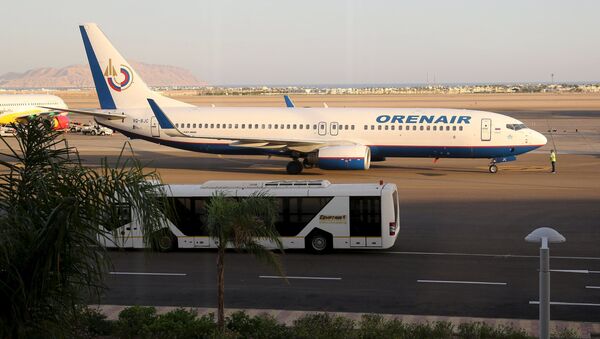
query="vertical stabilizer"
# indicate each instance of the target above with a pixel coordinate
(117, 83)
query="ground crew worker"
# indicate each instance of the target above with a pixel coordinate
(553, 160)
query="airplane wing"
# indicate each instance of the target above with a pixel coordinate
(109, 116)
(301, 145)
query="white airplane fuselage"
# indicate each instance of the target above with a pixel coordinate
(387, 132)
(16, 106)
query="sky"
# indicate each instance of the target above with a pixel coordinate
(310, 42)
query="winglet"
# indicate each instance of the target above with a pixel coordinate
(288, 102)
(163, 121)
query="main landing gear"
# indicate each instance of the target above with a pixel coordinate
(294, 167)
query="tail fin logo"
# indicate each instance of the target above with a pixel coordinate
(112, 76)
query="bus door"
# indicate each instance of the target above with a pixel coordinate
(486, 129)
(365, 221)
(322, 128)
(333, 128)
(154, 129)
(127, 234)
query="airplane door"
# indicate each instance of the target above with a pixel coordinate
(154, 129)
(333, 128)
(322, 128)
(486, 129)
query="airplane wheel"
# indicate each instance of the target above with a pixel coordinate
(307, 164)
(493, 169)
(294, 167)
(93, 132)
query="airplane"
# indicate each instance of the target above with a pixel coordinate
(330, 138)
(16, 108)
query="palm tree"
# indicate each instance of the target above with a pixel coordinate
(244, 224)
(52, 211)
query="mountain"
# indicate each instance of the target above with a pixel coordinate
(78, 76)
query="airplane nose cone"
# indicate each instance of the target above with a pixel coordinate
(540, 139)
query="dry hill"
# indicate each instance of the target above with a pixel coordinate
(78, 76)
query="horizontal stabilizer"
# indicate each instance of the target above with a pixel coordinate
(166, 125)
(106, 115)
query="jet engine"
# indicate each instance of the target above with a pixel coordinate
(356, 157)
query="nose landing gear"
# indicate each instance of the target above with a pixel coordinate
(493, 168)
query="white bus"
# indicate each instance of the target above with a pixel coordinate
(313, 215)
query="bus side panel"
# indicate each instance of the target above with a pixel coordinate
(334, 219)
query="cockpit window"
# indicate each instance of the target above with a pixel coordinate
(516, 127)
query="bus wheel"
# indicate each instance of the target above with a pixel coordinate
(165, 242)
(318, 243)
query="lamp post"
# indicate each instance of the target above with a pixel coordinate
(544, 236)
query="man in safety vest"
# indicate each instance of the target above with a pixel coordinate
(553, 160)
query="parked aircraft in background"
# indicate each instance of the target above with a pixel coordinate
(15, 108)
(330, 138)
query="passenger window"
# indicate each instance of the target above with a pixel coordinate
(256, 126)
(460, 128)
(414, 128)
(243, 125)
(188, 125)
(276, 126)
(379, 127)
(428, 127)
(194, 126)
(400, 127)
(352, 127)
(386, 127)
(447, 128)
(270, 126)
(288, 126)
(212, 125)
(366, 127)
(454, 128)
(235, 126)
(301, 126)
(314, 126)
(393, 127)
(294, 126)
(421, 128)
(262, 126)
(218, 125)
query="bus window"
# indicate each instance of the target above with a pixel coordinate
(122, 212)
(296, 212)
(190, 214)
(365, 216)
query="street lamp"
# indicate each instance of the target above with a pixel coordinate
(545, 235)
